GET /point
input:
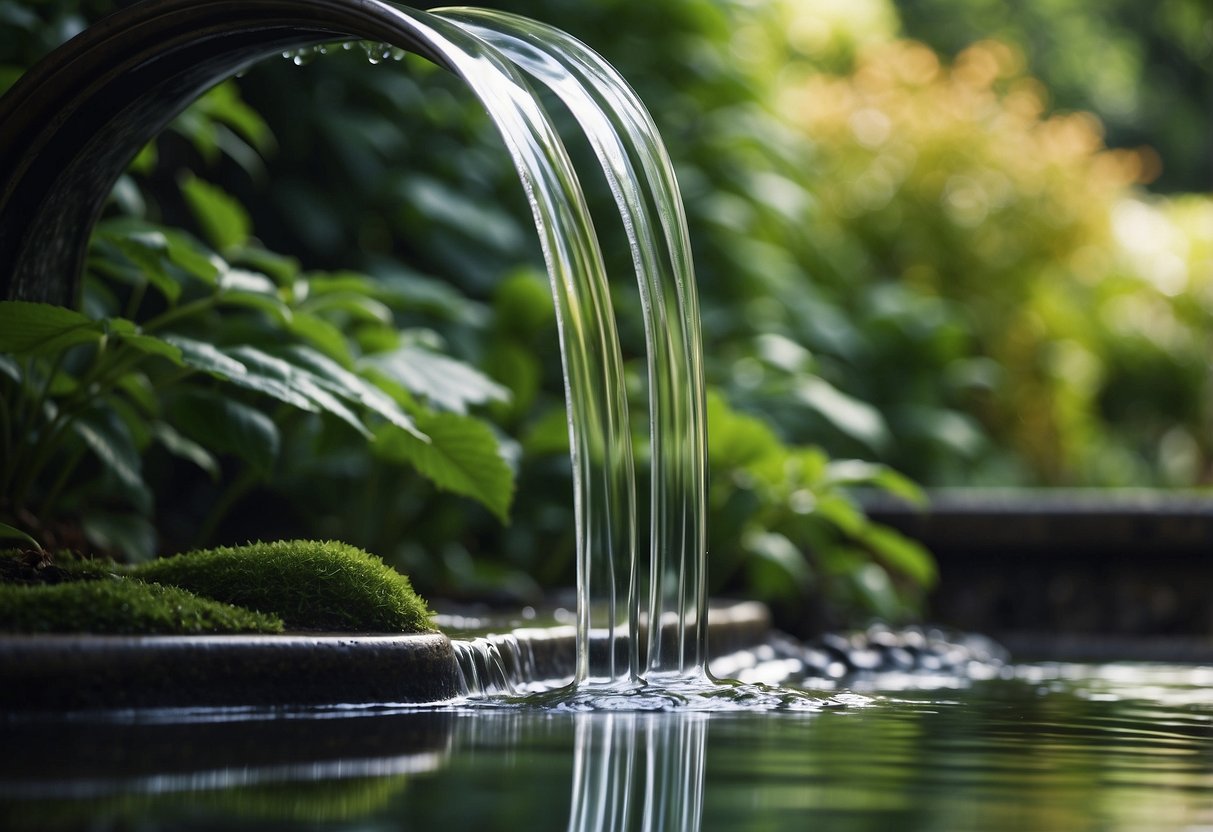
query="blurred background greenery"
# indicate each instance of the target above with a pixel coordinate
(970, 242)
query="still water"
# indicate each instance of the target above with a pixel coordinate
(1048, 747)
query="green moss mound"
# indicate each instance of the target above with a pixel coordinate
(122, 606)
(311, 585)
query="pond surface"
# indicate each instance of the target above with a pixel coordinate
(1052, 747)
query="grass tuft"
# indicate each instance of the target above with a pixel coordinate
(311, 585)
(122, 606)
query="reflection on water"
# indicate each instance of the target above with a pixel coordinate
(1115, 747)
(638, 772)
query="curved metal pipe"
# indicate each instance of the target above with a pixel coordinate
(72, 124)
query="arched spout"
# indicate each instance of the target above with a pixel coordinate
(72, 124)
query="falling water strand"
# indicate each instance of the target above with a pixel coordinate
(624, 138)
(641, 177)
(599, 437)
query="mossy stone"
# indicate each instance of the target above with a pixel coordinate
(122, 606)
(311, 585)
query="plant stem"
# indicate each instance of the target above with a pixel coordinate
(177, 313)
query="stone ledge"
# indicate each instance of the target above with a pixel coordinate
(86, 672)
(56, 673)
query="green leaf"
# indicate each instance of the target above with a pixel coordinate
(111, 442)
(184, 448)
(354, 388)
(223, 103)
(782, 553)
(138, 388)
(855, 418)
(735, 439)
(840, 511)
(148, 250)
(858, 472)
(323, 335)
(194, 257)
(206, 357)
(10, 368)
(355, 306)
(462, 456)
(151, 345)
(446, 383)
(8, 532)
(268, 304)
(291, 384)
(223, 219)
(901, 553)
(41, 328)
(222, 425)
(549, 434)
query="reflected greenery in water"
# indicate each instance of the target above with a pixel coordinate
(1118, 747)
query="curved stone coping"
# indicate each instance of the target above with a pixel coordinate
(79, 672)
(87, 672)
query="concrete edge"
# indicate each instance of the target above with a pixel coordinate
(85, 672)
(76, 672)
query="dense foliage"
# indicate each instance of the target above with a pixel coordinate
(903, 258)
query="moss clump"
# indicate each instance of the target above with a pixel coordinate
(124, 606)
(312, 585)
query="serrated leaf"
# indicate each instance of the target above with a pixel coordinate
(462, 456)
(41, 328)
(337, 379)
(224, 425)
(444, 382)
(291, 384)
(207, 357)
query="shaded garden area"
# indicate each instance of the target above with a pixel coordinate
(935, 248)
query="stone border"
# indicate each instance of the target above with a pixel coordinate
(83, 672)
(57, 673)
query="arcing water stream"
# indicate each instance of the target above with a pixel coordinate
(484, 48)
(641, 178)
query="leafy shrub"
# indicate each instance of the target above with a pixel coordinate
(985, 253)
